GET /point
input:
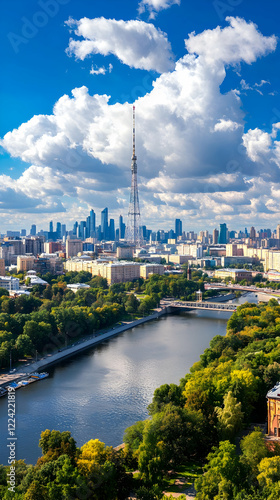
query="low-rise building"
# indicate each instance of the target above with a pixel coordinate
(118, 272)
(147, 269)
(125, 252)
(273, 276)
(273, 411)
(239, 260)
(34, 279)
(233, 274)
(77, 286)
(179, 259)
(9, 283)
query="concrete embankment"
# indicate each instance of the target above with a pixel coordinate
(222, 298)
(79, 347)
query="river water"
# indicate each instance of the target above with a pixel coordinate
(98, 393)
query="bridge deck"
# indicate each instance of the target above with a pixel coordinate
(214, 306)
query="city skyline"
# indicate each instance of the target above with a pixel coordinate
(208, 112)
(111, 230)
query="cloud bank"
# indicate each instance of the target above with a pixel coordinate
(194, 159)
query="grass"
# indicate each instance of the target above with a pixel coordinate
(188, 473)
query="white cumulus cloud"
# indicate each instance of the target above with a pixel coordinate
(226, 125)
(239, 42)
(154, 6)
(135, 43)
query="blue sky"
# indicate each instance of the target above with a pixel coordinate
(206, 90)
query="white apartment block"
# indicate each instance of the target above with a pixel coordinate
(9, 283)
(195, 251)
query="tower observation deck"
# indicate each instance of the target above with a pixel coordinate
(133, 232)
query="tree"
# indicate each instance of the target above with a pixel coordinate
(56, 443)
(133, 435)
(5, 351)
(269, 471)
(93, 452)
(86, 297)
(82, 277)
(170, 438)
(47, 293)
(104, 470)
(24, 345)
(39, 333)
(253, 450)
(36, 491)
(244, 386)
(146, 305)
(25, 304)
(8, 305)
(230, 417)
(222, 477)
(4, 292)
(98, 282)
(164, 395)
(132, 304)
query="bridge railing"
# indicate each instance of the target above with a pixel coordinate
(204, 305)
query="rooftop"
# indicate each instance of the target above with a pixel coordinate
(275, 392)
(229, 270)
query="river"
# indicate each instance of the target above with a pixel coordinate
(100, 392)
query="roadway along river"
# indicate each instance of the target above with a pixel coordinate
(100, 392)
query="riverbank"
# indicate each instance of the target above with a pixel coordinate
(80, 346)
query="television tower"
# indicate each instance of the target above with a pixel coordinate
(133, 229)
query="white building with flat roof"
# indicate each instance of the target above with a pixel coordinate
(9, 283)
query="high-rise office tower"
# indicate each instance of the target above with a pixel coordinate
(252, 233)
(112, 230)
(88, 227)
(92, 223)
(121, 227)
(51, 227)
(82, 229)
(33, 230)
(63, 230)
(75, 228)
(104, 223)
(178, 227)
(58, 230)
(133, 228)
(215, 236)
(223, 234)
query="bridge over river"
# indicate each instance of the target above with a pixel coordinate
(209, 306)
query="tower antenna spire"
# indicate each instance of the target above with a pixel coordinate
(133, 147)
(133, 232)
